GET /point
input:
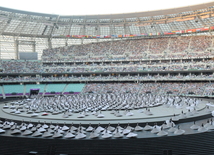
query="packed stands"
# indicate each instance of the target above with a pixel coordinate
(155, 48)
(12, 66)
(137, 65)
(161, 88)
(154, 88)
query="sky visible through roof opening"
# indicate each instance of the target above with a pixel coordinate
(95, 7)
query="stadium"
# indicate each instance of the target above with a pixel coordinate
(130, 83)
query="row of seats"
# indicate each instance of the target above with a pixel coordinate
(190, 46)
(175, 88)
(15, 66)
(148, 63)
(43, 88)
(20, 66)
(111, 77)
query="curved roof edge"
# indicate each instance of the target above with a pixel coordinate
(120, 15)
(27, 12)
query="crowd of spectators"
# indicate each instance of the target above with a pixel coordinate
(209, 90)
(145, 77)
(159, 86)
(154, 88)
(179, 44)
(137, 66)
(171, 87)
(192, 88)
(16, 66)
(155, 48)
(90, 56)
(128, 63)
(200, 43)
(158, 45)
(129, 68)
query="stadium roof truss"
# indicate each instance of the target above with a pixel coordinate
(30, 24)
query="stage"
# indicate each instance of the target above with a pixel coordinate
(191, 142)
(159, 114)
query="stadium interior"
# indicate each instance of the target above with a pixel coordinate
(131, 83)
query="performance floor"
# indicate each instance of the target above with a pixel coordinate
(143, 143)
(160, 113)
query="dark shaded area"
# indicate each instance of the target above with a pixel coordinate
(177, 145)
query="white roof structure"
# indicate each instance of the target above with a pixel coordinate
(23, 23)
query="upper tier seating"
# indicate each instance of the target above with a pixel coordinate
(191, 46)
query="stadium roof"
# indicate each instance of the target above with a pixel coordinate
(24, 23)
(95, 7)
(176, 10)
